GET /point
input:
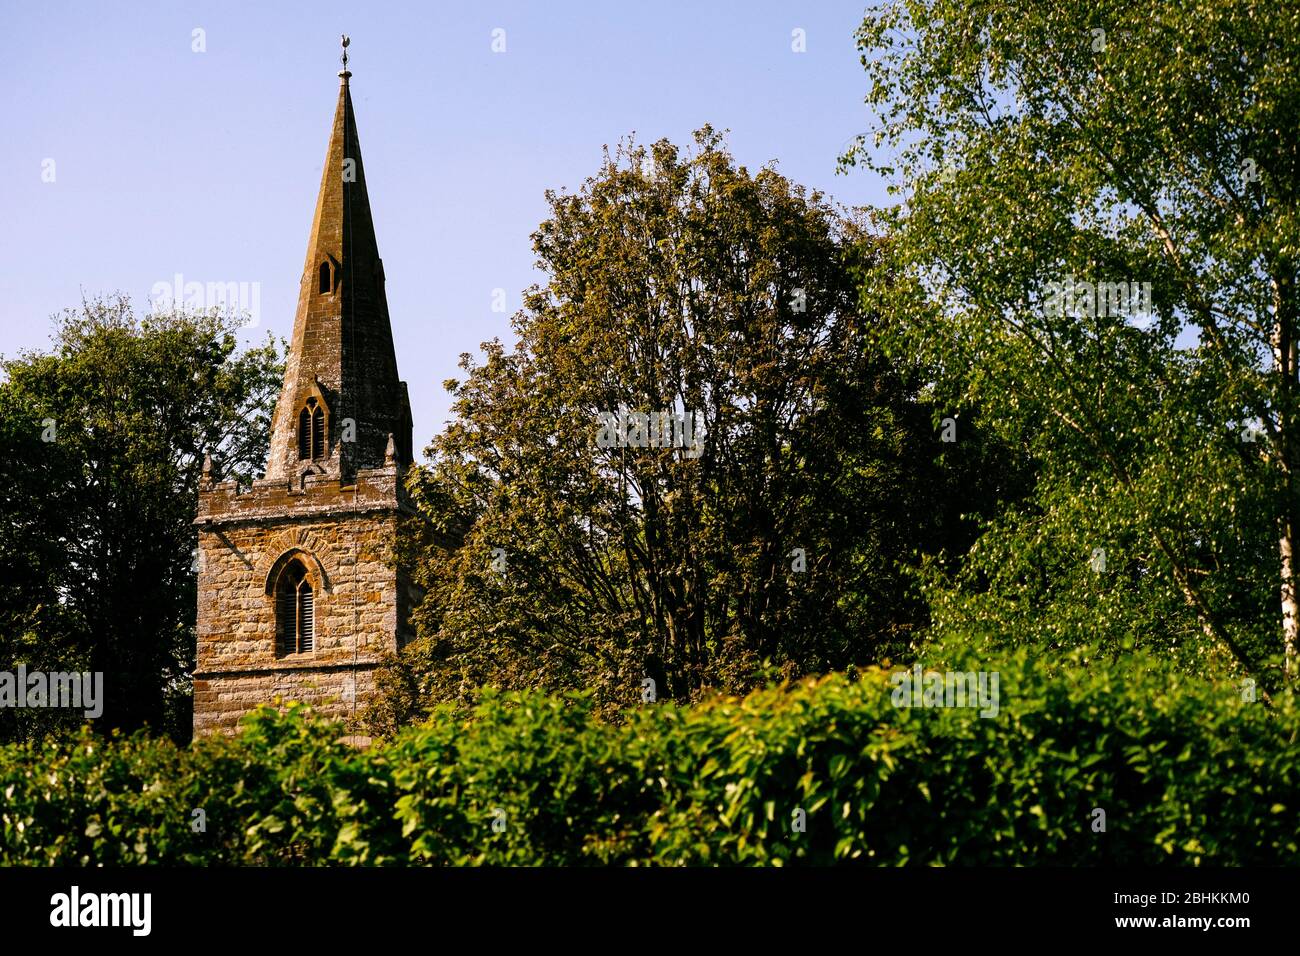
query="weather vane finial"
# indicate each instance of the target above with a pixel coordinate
(344, 41)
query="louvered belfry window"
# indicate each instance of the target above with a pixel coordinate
(317, 432)
(311, 431)
(295, 611)
(306, 617)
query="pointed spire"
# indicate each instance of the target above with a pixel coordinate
(341, 356)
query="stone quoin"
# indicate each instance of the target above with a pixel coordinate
(298, 596)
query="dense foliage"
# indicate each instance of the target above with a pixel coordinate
(680, 282)
(102, 440)
(1186, 772)
(1121, 145)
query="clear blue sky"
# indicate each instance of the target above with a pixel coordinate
(207, 164)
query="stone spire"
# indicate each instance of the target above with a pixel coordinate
(341, 359)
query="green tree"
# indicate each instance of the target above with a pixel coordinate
(36, 512)
(106, 436)
(1134, 142)
(681, 284)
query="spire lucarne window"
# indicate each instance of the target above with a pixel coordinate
(311, 431)
(295, 611)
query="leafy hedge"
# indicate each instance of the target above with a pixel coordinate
(1186, 772)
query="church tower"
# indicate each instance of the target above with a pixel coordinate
(298, 594)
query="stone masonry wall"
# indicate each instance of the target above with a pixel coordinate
(344, 535)
(219, 702)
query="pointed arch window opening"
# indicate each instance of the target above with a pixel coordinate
(295, 611)
(311, 431)
(326, 278)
